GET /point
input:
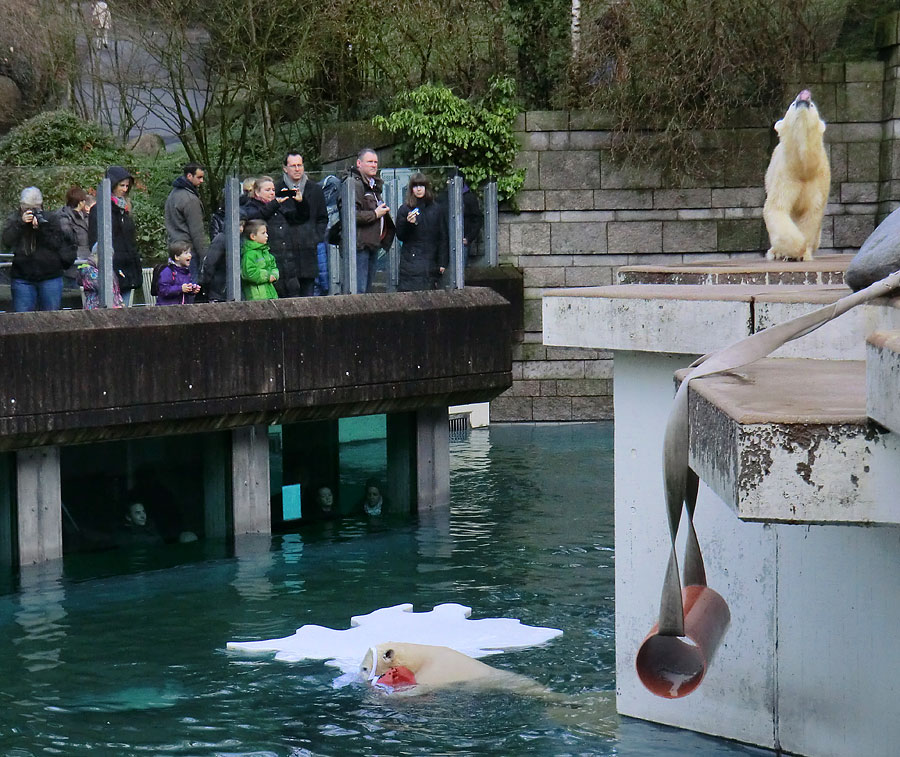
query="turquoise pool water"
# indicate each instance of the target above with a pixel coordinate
(124, 652)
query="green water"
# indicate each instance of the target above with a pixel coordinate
(105, 660)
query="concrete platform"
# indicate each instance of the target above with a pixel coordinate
(827, 269)
(883, 378)
(693, 319)
(789, 441)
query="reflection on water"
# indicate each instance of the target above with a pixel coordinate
(104, 660)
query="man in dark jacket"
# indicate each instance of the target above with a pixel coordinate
(40, 254)
(184, 214)
(374, 226)
(297, 228)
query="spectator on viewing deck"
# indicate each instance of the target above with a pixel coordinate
(259, 272)
(422, 227)
(213, 269)
(374, 225)
(297, 228)
(126, 258)
(176, 285)
(73, 221)
(89, 279)
(261, 204)
(184, 214)
(41, 253)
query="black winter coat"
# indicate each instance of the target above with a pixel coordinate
(126, 258)
(294, 235)
(212, 269)
(39, 253)
(425, 247)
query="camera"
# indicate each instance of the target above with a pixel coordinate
(286, 192)
(38, 214)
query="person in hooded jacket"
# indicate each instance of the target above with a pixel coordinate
(422, 227)
(41, 252)
(126, 258)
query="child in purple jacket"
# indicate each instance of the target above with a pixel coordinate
(175, 284)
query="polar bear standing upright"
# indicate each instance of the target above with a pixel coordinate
(797, 183)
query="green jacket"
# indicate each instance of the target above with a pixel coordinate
(257, 265)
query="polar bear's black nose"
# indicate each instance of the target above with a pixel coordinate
(804, 103)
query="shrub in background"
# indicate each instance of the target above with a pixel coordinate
(435, 127)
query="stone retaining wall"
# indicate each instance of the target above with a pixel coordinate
(584, 212)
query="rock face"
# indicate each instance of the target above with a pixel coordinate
(878, 256)
(10, 103)
(147, 144)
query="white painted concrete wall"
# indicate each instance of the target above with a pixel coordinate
(810, 661)
(736, 698)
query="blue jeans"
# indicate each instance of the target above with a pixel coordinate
(366, 262)
(28, 296)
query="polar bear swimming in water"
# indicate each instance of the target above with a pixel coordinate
(797, 183)
(423, 667)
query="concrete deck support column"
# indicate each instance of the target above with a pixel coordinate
(250, 480)
(39, 506)
(418, 458)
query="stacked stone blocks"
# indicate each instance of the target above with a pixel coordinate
(585, 211)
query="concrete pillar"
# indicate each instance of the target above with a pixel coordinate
(38, 505)
(432, 458)
(216, 499)
(418, 458)
(250, 480)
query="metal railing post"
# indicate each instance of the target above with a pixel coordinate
(232, 240)
(456, 278)
(491, 224)
(335, 275)
(105, 243)
(349, 284)
(392, 194)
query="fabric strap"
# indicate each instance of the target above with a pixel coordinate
(681, 483)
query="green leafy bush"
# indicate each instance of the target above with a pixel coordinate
(435, 127)
(57, 137)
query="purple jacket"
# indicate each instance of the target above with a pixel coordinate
(170, 280)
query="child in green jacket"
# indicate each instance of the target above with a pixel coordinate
(259, 271)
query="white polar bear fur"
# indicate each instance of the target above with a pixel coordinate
(797, 183)
(435, 666)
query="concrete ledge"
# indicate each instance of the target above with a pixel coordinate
(693, 319)
(883, 378)
(78, 376)
(827, 269)
(788, 441)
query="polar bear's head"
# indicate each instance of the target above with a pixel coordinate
(801, 120)
(377, 661)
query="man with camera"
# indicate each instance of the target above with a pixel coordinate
(297, 228)
(374, 225)
(41, 252)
